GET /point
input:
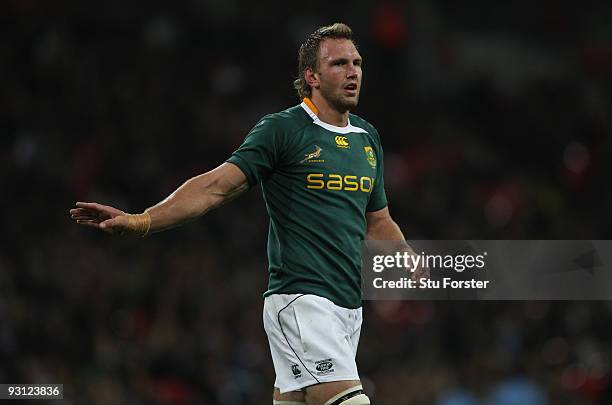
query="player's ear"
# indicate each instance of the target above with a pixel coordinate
(311, 77)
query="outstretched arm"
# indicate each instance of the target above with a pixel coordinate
(193, 199)
(382, 227)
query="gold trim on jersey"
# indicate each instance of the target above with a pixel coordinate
(311, 105)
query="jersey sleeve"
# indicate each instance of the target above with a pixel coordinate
(260, 152)
(378, 197)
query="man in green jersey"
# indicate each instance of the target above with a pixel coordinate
(321, 171)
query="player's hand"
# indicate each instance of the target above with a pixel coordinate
(420, 272)
(104, 217)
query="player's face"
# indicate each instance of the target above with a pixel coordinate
(339, 73)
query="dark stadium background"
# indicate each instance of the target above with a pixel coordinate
(496, 120)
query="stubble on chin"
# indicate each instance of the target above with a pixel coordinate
(342, 104)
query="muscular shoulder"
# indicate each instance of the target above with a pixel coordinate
(287, 121)
(361, 123)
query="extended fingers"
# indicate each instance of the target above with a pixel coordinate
(85, 218)
(92, 223)
(81, 213)
(96, 209)
(93, 206)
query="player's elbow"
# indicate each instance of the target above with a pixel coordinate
(372, 230)
(381, 228)
(213, 190)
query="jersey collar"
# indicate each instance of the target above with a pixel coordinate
(313, 111)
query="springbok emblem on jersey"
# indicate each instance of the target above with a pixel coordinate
(313, 155)
(370, 156)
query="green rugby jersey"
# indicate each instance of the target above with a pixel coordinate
(318, 181)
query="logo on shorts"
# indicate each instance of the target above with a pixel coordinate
(324, 366)
(295, 369)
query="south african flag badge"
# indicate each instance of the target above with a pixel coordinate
(370, 156)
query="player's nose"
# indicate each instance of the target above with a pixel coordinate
(351, 71)
(351, 74)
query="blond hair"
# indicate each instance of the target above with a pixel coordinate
(308, 55)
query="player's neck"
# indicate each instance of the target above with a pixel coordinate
(327, 113)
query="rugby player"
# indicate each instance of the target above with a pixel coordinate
(321, 171)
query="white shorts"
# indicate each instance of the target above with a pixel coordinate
(312, 340)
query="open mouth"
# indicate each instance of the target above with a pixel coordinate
(351, 87)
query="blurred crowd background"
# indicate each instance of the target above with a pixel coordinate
(496, 121)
